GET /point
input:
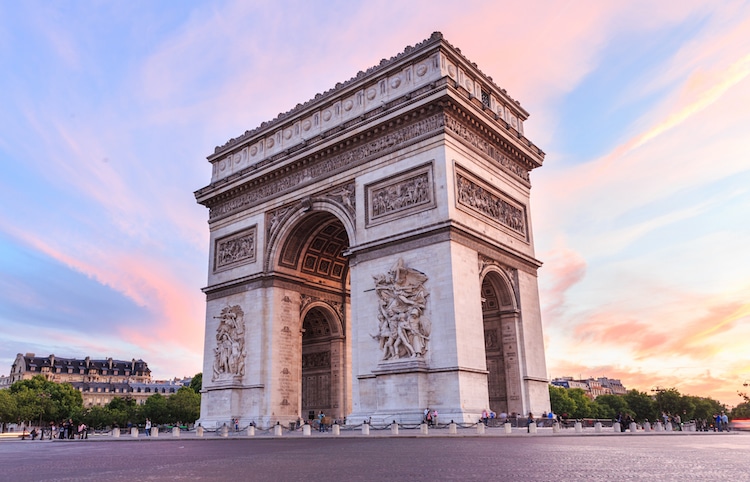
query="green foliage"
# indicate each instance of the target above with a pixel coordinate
(560, 401)
(155, 409)
(184, 406)
(741, 411)
(609, 406)
(39, 398)
(196, 384)
(641, 405)
(8, 408)
(669, 401)
(584, 405)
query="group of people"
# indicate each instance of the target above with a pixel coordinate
(66, 430)
(430, 417)
(721, 422)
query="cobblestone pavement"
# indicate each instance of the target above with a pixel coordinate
(667, 457)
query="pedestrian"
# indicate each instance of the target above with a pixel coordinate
(429, 418)
(148, 428)
(725, 421)
(321, 424)
(529, 421)
(434, 418)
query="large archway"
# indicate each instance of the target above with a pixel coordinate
(497, 305)
(312, 252)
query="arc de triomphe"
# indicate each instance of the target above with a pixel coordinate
(372, 255)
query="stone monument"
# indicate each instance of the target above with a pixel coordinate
(371, 254)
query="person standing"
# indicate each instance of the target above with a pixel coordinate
(529, 421)
(148, 428)
(725, 421)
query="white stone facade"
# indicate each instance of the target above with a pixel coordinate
(377, 242)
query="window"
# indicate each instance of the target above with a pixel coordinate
(485, 98)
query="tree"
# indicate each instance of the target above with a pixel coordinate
(123, 411)
(668, 401)
(197, 382)
(184, 406)
(609, 406)
(156, 409)
(560, 402)
(41, 399)
(641, 405)
(741, 411)
(584, 405)
(8, 409)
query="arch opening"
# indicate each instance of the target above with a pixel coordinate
(312, 253)
(496, 302)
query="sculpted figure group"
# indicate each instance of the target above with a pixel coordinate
(229, 354)
(404, 331)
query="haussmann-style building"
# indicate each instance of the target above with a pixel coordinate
(371, 253)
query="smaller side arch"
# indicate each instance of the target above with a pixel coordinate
(502, 283)
(337, 327)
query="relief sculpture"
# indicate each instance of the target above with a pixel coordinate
(229, 354)
(489, 204)
(404, 331)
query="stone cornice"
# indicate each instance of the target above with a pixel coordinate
(444, 113)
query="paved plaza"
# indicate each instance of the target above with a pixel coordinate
(667, 456)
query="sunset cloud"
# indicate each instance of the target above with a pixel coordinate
(639, 210)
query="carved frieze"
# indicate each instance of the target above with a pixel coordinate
(404, 330)
(493, 205)
(400, 195)
(229, 353)
(314, 171)
(235, 249)
(485, 146)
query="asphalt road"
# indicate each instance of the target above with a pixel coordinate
(673, 457)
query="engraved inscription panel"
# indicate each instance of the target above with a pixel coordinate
(400, 195)
(235, 250)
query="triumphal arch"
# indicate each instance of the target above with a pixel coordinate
(371, 253)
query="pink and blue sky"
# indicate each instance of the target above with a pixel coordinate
(641, 212)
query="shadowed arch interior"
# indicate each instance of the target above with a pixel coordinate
(496, 299)
(315, 247)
